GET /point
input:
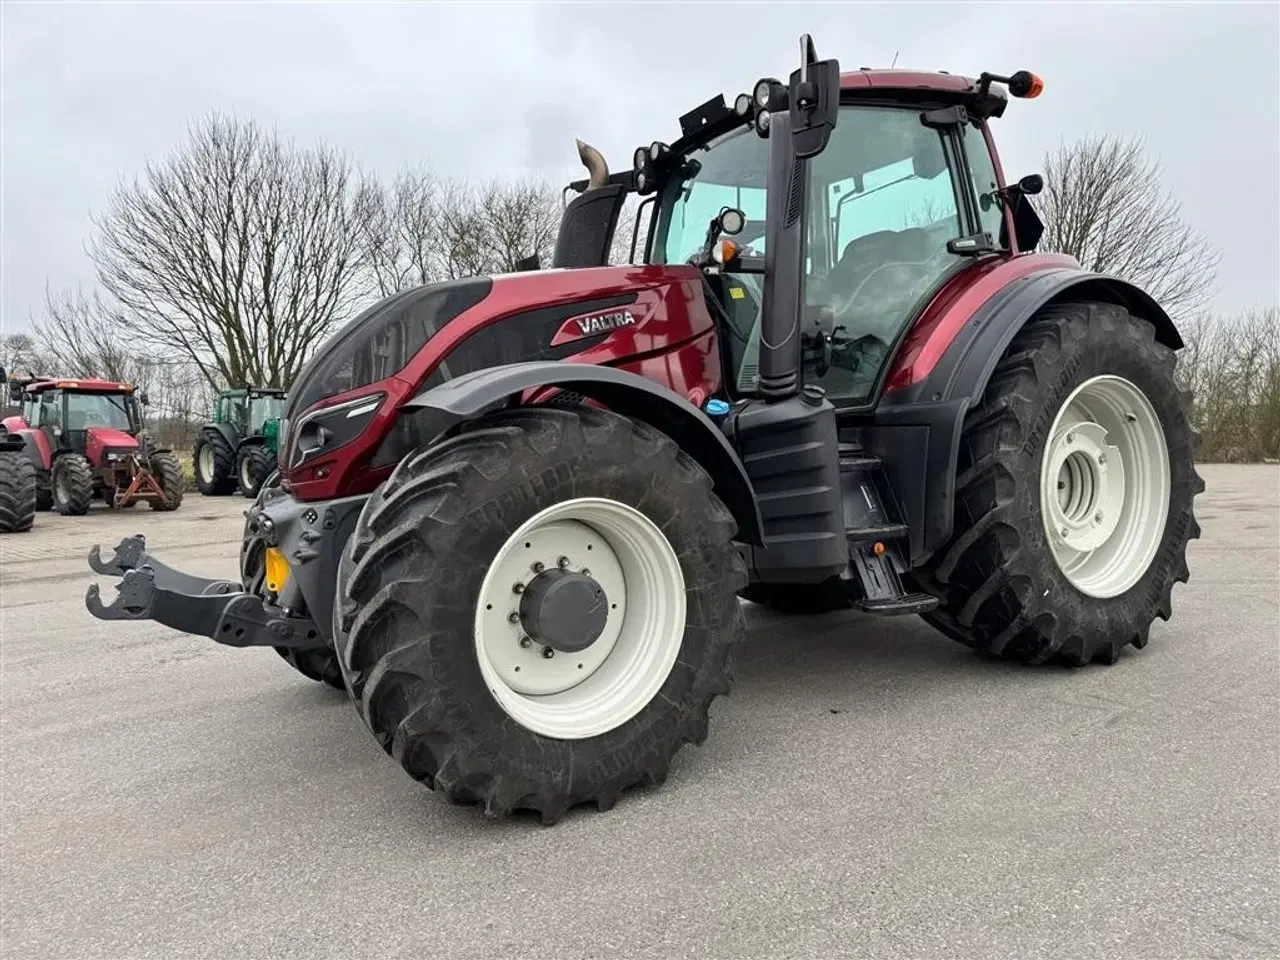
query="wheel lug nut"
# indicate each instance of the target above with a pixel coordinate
(539, 566)
(1097, 517)
(562, 562)
(1071, 438)
(1102, 459)
(525, 643)
(517, 588)
(547, 653)
(586, 572)
(1064, 532)
(513, 617)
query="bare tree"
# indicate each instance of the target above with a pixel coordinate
(22, 352)
(239, 252)
(400, 230)
(86, 336)
(1104, 204)
(421, 229)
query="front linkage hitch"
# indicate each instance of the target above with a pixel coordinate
(219, 609)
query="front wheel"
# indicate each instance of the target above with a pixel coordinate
(72, 485)
(539, 612)
(254, 463)
(1074, 494)
(168, 473)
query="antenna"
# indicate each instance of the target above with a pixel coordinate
(895, 60)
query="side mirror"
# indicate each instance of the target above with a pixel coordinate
(1031, 184)
(813, 96)
(144, 399)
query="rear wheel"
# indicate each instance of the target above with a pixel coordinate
(214, 464)
(44, 489)
(17, 492)
(1074, 494)
(539, 612)
(254, 463)
(168, 472)
(72, 485)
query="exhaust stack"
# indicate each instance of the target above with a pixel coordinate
(597, 168)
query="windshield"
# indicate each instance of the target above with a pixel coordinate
(882, 207)
(85, 410)
(262, 409)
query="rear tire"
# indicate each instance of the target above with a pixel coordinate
(44, 489)
(168, 472)
(17, 492)
(254, 463)
(72, 485)
(213, 462)
(1009, 584)
(417, 642)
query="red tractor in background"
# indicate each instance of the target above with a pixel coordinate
(514, 515)
(84, 439)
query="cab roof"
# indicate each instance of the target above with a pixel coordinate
(81, 384)
(925, 85)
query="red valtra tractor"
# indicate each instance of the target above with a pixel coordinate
(515, 515)
(84, 438)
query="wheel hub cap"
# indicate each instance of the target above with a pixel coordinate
(580, 618)
(564, 610)
(1090, 486)
(1105, 486)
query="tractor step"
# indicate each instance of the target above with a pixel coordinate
(218, 609)
(881, 533)
(902, 606)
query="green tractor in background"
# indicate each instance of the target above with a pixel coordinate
(237, 451)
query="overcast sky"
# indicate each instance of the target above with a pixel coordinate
(91, 91)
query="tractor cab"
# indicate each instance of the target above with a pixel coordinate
(77, 414)
(904, 197)
(250, 410)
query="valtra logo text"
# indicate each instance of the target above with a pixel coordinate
(604, 322)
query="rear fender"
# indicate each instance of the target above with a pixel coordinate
(35, 445)
(469, 395)
(917, 428)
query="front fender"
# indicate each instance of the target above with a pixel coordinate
(624, 393)
(226, 431)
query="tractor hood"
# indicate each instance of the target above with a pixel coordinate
(100, 441)
(478, 322)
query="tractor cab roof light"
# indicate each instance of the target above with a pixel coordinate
(1024, 84)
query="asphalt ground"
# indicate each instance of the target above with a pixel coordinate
(870, 789)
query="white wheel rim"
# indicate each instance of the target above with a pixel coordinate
(246, 472)
(1104, 486)
(206, 461)
(623, 670)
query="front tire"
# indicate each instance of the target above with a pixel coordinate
(427, 593)
(17, 492)
(213, 462)
(72, 485)
(168, 472)
(254, 463)
(1074, 495)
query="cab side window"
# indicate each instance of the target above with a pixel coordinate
(985, 184)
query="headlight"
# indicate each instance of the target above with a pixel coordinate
(331, 427)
